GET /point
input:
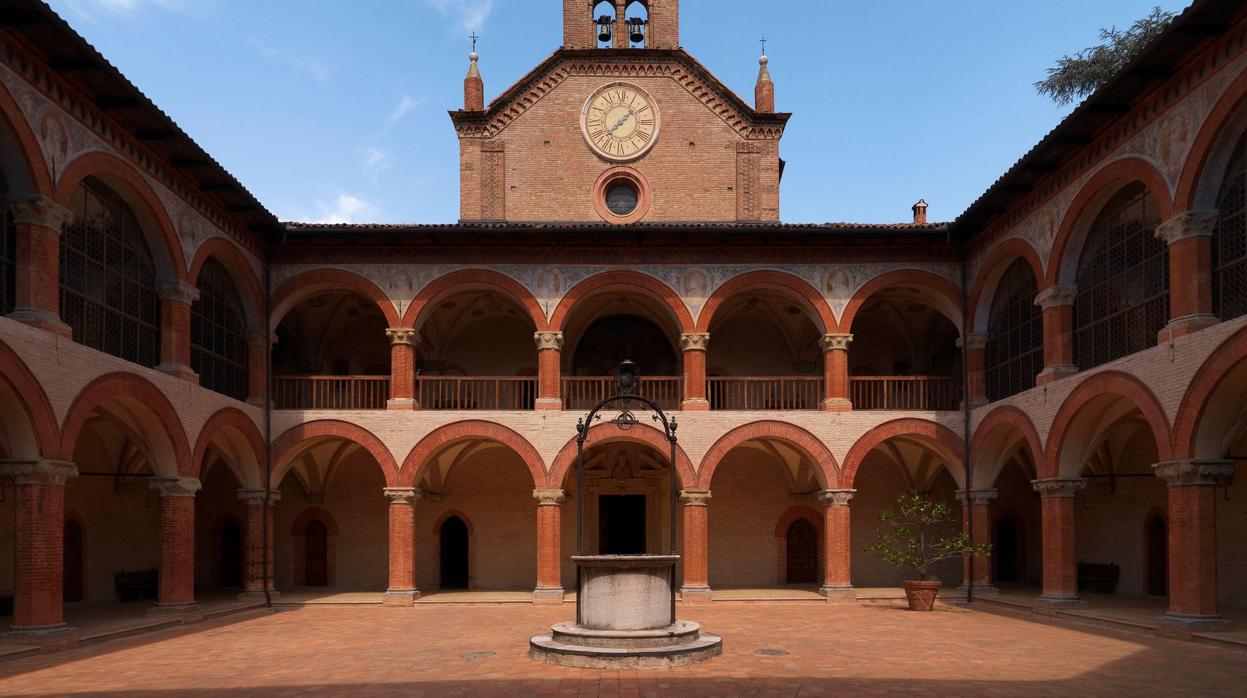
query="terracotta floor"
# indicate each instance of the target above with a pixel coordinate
(431, 650)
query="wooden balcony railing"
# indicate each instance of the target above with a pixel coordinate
(765, 393)
(475, 393)
(905, 393)
(330, 392)
(583, 392)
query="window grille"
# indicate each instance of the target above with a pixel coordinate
(1123, 281)
(108, 282)
(8, 253)
(1014, 334)
(1229, 242)
(219, 333)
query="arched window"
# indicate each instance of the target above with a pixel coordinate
(637, 16)
(1014, 334)
(108, 281)
(8, 253)
(604, 21)
(219, 333)
(1123, 281)
(1229, 242)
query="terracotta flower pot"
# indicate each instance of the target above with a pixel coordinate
(921, 595)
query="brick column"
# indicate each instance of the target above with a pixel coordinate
(549, 360)
(837, 546)
(694, 346)
(977, 505)
(836, 372)
(39, 222)
(176, 297)
(1193, 542)
(695, 504)
(39, 550)
(975, 346)
(549, 546)
(258, 347)
(1058, 332)
(253, 579)
(177, 545)
(1060, 559)
(402, 588)
(403, 342)
(1189, 237)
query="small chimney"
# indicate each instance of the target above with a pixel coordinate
(920, 212)
(764, 92)
(473, 86)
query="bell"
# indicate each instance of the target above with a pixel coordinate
(637, 33)
(604, 29)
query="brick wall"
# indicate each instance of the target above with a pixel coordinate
(750, 495)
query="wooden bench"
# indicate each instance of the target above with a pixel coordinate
(136, 586)
(1094, 576)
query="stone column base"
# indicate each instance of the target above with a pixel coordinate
(1054, 373)
(1193, 623)
(181, 371)
(836, 594)
(1179, 327)
(837, 404)
(42, 319)
(48, 638)
(403, 404)
(400, 598)
(549, 403)
(548, 596)
(979, 589)
(258, 595)
(1055, 602)
(696, 404)
(187, 612)
(696, 594)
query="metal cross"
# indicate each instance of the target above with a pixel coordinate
(764, 46)
(474, 37)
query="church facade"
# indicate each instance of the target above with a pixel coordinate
(198, 399)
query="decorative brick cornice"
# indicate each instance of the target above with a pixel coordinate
(38, 472)
(403, 335)
(1195, 473)
(548, 341)
(258, 496)
(549, 497)
(836, 498)
(1058, 488)
(40, 211)
(695, 498)
(176, 486)
(1056, 296)
(403, 495)
(835, 342)
(177, 290)
(977, 496)
(1189, 224)
(695, 341)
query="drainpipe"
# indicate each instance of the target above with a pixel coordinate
(965, 413)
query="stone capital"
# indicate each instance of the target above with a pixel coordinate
(1195, 473)
(1056, 296)
(175, 486)
(403, 335)
(177, 290)
(836, 498)
(976, 496)
(40, 211)
(261, 339)
(835, 342)
(695, 498)
(1054, 487)
(1189, 224)
(972, 341)
(548, 341)
(38, 472)
(549, 497)
(257, 496)
(403, 495)
(695, 341)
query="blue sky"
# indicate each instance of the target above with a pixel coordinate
(336, 111)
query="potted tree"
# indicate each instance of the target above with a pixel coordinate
(915, 535)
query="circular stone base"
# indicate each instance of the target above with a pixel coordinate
(704, 647)
(680, 633)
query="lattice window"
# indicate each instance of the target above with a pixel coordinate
(108, 281)
(1123, 281)
(219, 333)
(1015, 334)
(1229, 242)
(8, 253)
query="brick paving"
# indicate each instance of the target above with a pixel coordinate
(832, 650)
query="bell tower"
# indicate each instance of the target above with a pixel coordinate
(641, 24)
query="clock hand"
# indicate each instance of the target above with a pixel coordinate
(622, 120)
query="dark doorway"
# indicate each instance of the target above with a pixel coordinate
(72, 562)
(621, 524)
(802, 553)
(229, 547)
(454, 539)
(317, 554)
(1157, 556)
(1007, 550)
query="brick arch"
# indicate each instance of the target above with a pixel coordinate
(230, 257)
(1211, 135)
(138, 194)
(155, 409)
(1063, 260)
(299, 287)
(608, 432)
(1004, 417)
(290, 442)
(943, 295)
(41, 419)
(791, 285)
(422, 454)
(920, 429)
(231, 418)
(998, 261)
(816, 450)
(626, 279)
(1099, 385)
(32, 154)
(456, 513)
(1194, 408)
(795, 513)
(464, 278)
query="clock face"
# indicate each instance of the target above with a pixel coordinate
(620, 122)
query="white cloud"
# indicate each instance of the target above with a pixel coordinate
(468, 14)
(376, 162)
(402, 109)
(316, 69)
(344, 208)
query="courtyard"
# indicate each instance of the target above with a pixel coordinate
(770, 649)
